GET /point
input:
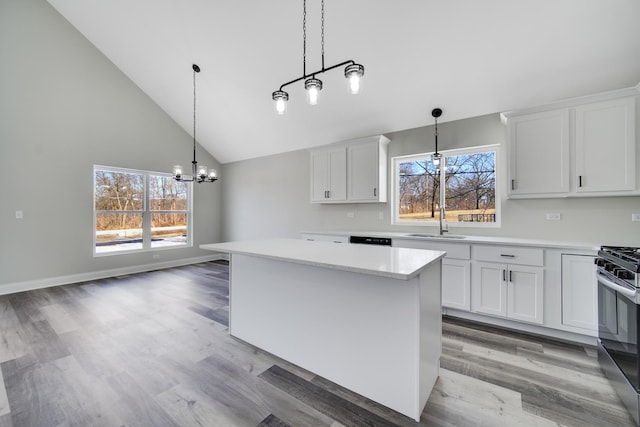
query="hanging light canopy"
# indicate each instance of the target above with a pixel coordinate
(436, 157)
(353, 72)
(198, 173)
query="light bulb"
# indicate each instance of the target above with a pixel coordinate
(313, 87)
(280, 97)
(354, 84)
(202, 172)
(313, 95)
(177, 171)
(354, 73)
(212, 175)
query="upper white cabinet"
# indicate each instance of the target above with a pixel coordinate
(605, 146)
(539, 154)
(367, 170)
(583, 147)
(329, 175)
(350, 172)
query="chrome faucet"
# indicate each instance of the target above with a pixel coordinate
(443, 226)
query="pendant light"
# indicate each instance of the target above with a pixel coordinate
(353, 72)
(436, 157)
(198, 173)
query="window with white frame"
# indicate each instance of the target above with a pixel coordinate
(465, 181)
(138, 210)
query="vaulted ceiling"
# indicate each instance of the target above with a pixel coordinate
(468, 57)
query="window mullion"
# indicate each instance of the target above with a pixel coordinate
(146, 216)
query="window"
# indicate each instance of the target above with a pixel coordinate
(139, 210)
(469, 190)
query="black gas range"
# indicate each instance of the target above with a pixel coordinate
(618, 273)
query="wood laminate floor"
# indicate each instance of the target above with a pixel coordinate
(152, 349)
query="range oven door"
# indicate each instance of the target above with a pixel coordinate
(618, 327)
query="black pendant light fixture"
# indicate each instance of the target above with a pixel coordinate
(436, 157)
(199, 174)
(353, 72)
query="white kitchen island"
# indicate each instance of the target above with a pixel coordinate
(365, 317)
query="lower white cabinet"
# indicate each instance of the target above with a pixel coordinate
(456, 283)
(579, 292)
(511, 291)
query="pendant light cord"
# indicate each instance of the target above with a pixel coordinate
(304, 38)
(322, 34)
(194, 112)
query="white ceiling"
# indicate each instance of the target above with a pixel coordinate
(469, 57)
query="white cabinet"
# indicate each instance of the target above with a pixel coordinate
(513, 290)
(456, 277)
(539, 154)
(335, 238)
(329, 175)
(350, 172)
(605, 146)
(579, 292)
(367, 170)
(580, 148)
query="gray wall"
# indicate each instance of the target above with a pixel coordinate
(63, 108)
(269, 197)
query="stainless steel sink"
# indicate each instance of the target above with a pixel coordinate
(435, 236)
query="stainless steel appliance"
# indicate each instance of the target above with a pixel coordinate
(366, 240)
(618, 272)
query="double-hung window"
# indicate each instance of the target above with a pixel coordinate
(463, 187)
(138, 210)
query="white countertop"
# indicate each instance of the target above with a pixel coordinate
(396, 263)
(469, 239)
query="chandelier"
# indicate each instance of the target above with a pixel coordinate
(353, 72)
(198, 173)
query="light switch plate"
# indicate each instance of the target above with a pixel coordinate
(554, 216)
(351, 214)
(635, 217)
(19, 215)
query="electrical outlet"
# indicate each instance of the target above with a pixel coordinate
(635, 217)
(19, 215)
(155, 256)
(554, 216)
(380, 216)
(351, 214)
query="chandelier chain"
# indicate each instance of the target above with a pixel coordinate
(304, 38)
(322, 33)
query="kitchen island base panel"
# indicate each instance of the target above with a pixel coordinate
(377, 336)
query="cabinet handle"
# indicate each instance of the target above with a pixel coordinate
(513, 184)
(579, 180)
(507, 256)
(504, 275)
(510, 276)
(328, 194)
(375, 191)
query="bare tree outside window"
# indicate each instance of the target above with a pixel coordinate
(469, 186)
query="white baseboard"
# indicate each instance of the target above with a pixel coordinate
(10, 288)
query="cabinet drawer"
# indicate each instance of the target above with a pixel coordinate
(508, 254)
(454, 250)
(325, 238)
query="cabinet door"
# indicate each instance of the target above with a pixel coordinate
(524, 293)
(329, 175)
(579, 292)
(605, 146)
(364, 172)
(456, 284)
(338, 174)
(489, 290)
(319, 175)
(539, 154)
